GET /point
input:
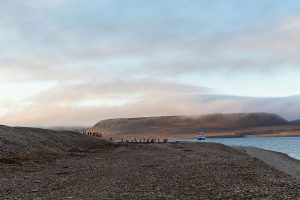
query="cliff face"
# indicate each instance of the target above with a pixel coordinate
(186, 124)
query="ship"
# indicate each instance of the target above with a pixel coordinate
(201, 136)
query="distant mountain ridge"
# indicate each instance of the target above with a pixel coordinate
(295, 122)
(186, 124)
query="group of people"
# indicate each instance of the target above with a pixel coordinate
(133, 141)
(96, 134)
(144, 141)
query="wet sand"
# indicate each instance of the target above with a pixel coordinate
(151, 171)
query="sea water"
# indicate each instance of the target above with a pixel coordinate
(287, 145)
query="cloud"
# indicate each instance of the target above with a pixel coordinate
(41, 73)
(72, 93)
(124, 95)
(65, 38)
(150, 106)
(111, 59)
(64, 105)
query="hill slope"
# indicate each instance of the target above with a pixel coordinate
(19, 141)
(186, 124)
(295, 122)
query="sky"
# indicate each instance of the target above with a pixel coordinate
(74, 62)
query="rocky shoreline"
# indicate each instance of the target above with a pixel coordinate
(150, 171)
(277, 160)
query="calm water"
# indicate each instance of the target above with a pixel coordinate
(288, 145)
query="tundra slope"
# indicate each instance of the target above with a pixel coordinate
(187, 124)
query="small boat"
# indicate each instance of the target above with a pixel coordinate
(201, 136)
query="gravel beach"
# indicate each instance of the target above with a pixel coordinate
(277, 160)
(24, 143)
(149, 171)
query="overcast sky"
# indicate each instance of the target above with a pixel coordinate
(74, 62)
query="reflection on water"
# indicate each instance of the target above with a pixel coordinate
(288, 145)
